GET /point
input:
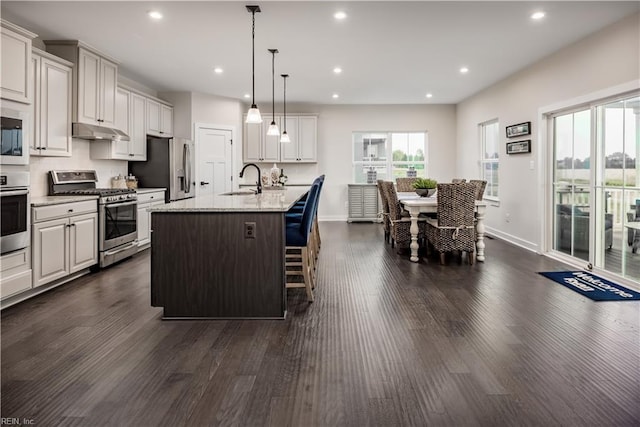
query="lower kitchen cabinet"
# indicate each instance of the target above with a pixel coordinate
(15, 272)
(145, 201)
(64, 240)
(363, 202)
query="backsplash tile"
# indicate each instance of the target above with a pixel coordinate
(39, 167)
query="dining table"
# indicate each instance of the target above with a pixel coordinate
(416, 205)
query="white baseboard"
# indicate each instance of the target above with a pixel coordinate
(525, 244)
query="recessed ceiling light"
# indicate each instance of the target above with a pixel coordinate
(429, 95)
(335, 96)
(217, 70)
(537, 15)
(337, 70)
(155, 14)
(340, 15)
(464, 70)
(247, 95)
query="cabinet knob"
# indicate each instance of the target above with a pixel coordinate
(131, 155)
(70, 210)
(43, 148)
(204, 183)
(151, 197)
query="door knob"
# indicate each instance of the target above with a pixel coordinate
(204, 183)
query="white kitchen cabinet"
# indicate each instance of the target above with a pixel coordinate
(145, 201)
(130, 118)
(363, 202)
(258, 146)
(64, 240)
(95, 82)
(302, 130)
(52, 105)
(159, 119)
(15, 84)
(15, 272)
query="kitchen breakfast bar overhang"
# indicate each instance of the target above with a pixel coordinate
(222, 256)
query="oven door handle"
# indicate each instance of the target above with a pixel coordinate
(112, 205)
(117, 251)
(14, 193)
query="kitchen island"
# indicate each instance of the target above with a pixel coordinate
(221, 256)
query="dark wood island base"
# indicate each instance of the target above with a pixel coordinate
(219, 264)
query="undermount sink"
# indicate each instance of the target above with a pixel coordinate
(239, 193)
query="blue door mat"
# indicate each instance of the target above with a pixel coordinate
(592, 286)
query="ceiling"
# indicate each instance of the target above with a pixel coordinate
(390, 52)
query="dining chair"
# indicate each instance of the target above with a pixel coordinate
(454, 228)
(458, 180)
(405, 185)
(480, 186)
(400, 225)
(384, 213)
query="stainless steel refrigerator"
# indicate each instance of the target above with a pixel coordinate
(170, 164)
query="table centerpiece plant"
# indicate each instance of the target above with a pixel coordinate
(425, 187)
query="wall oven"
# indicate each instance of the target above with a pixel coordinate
(14, 201)
(14, 137)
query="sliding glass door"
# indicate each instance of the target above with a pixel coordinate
(596, 185)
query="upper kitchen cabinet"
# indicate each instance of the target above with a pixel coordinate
(258, 146)
(95, 81)
(302, 130)
(16, 84)
(159, 119)
(52, 105)
(130, 118)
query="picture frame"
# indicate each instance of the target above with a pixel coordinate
(519, 147)
(519, 130)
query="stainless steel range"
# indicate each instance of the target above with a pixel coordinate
(117, 211)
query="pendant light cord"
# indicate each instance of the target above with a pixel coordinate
(284, 78)
(273, 86)
(253, 58)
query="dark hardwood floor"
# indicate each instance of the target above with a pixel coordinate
(387, 342)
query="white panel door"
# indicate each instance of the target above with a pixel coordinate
(108, 87)
(55, 109)
(138, 131)
(271, 147)
(289, 150)
(252, 150)
(214, 148)
(307, 135)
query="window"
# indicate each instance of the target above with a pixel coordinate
(390, 154)
(490, 162)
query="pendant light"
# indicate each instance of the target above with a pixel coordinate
(253, 115)
(273, 127)
(285, 136)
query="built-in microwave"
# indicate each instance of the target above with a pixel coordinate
(14, 140)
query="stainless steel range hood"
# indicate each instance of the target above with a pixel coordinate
(93, 132)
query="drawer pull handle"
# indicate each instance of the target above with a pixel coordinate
(70, 210)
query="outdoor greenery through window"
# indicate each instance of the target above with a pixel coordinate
(490, 162)
(390, 154)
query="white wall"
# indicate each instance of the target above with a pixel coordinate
(39, 167)
(602, 60)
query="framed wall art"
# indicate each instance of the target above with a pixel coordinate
(519, 147)
(519, 130)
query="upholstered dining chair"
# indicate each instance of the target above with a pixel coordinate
(458, 180)
(480, 186)
(405, 185)
(454, 229)
(400, 225)
(384, 213)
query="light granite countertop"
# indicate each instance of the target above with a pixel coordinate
(149, 190)
(268, 201)
(57, 200)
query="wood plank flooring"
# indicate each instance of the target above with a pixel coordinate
(387, 342)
